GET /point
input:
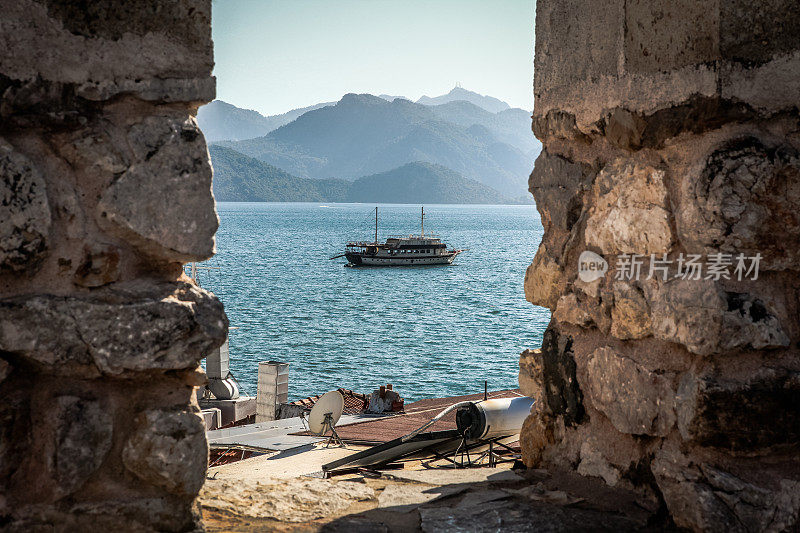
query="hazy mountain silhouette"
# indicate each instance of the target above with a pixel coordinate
(490, 104)
(421, 183)
(221, 121)
(389, 97)
(511, 126)
(239, 178)
(364, 134)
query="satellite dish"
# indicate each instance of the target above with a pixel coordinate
(325, 414)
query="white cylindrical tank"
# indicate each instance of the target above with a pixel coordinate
(493, 418)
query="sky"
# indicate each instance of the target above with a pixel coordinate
(278, 55)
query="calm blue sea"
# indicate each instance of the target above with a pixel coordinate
(430, 331)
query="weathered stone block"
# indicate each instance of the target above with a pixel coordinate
(570, 311)
(706, 319)
(100, 266)
(768, 88)
(130, 327)
(704, 498)
(630, 210)
(750, 413)
(168, 449)
(630, 315)
(562, 394)
(544, 280)
(662, 36)
(84, 43)
(654, 55)
(24, 212)
(530, 374)
(535, 436)
(757, 32)
(83, 431)
(163, 203)
(164, 513)
(749, 322)
(558, 184)
(592, 463)
(296, 500)
(745, 200)
(556, 124)
(576, 40)
(689, 313)
(635, 400)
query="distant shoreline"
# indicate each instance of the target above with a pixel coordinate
(369, 203)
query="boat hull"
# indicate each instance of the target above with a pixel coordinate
(357, 259)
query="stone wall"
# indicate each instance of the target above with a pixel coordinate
(105, 191)
(670, 129)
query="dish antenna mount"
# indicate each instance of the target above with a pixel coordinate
(325, 414)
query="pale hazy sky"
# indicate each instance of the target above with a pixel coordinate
(277, 55)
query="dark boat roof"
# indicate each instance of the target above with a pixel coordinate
(395, 240)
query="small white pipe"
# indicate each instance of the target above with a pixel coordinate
(433, 420)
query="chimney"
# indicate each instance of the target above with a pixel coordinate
(273, 389)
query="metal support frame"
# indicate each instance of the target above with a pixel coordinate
(461, 453)
(334, 438)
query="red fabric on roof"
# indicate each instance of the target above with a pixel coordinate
(354, 402)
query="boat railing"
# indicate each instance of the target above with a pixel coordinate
(426, 236)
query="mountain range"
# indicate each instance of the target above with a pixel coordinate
(365, 135)
(239, 178)
(490, 104)
(221, 121)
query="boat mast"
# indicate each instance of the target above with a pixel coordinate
(422, 222)
(376, 224)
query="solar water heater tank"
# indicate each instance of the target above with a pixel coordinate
(497, 417)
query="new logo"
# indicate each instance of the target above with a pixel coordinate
(591, 266)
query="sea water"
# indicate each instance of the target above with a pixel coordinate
(431, 331)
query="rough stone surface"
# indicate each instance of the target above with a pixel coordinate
(715, 410)
(5, 369)
(519, 516)
(706, 498)
(569, 310)
(671, 131)
(165, 326)
(100, 266)
(105, 43)
(408, 496)
(562, 395)
(169, 449)
(706, 320)
(630, 316)
(24, 212)
(648, 56)
(689, 312)
(746, 199)
(558, 186)
(82, 441)
(543, 280)
(629, 213)
(105, 188)
(536, 435)
(592, 463)
(172, 162)
(292, 501)
(635, 400)
(530, 373)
